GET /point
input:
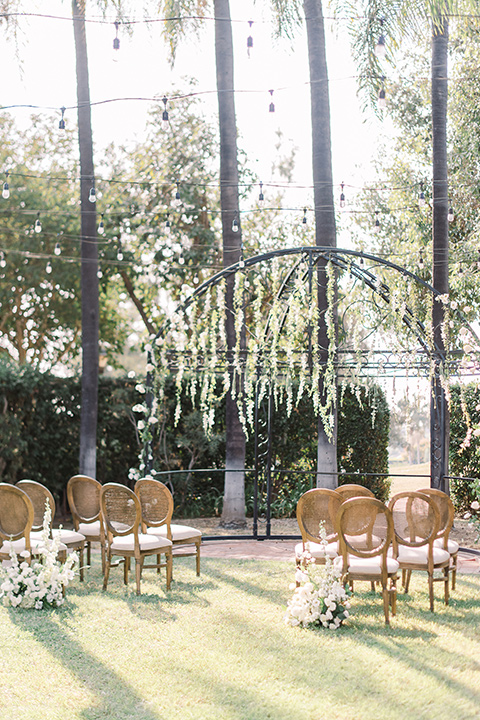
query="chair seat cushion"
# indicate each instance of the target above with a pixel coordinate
(419, 555)
(453, 546)
(179, 532)
(19, 546)
(147, 542)
(90, 529)
(367, 566)
(68, 536)
(317, 550)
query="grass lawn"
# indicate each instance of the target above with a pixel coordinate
(216, 648)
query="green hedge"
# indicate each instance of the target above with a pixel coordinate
(464, 451)
(39, 426)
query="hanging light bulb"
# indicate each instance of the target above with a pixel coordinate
(249, 40)
(478, 260)
(235, 224)
(61, 124)
(380, 48)
(342, 196)
(261, 196)
(3, 262)
(92, 195)
(177, 200)
(421, 197)
(48, 269)
(99, 274)
(116, 41)
(6, 188)
(421, 264)
(38, 225)
(382, 100)
(167, 224)
(57, 249)
(165, 119)
(304, 219)
(376, 227)
(101, 227)
(271, 107)
(361, 261)
(119, 255)
(460, 269)
(451, 215)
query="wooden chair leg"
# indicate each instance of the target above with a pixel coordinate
(88, 545)
(126, 568)
(169, 561)
(138, 573)
(446, 573)
(454, 570)
(386, 603)
(408, 575)
(198, 558)
(430, 591)
(159, 559)
(80, 557)
(107, 571)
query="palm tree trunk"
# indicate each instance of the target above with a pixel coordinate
(89, 252)
(439, 420)
(325, 229)
(234, 494)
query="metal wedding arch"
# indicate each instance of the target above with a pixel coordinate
(426, 359)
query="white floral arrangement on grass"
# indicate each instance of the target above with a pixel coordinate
(319, 598)
(39, 584)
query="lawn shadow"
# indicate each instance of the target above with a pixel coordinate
(116, 699)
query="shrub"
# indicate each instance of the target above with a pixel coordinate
(464, 451)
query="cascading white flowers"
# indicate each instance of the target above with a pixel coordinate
(319, 598)
(40, 583)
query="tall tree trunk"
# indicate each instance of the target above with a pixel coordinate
(439, 420)
(234, 493)
(325, 229)
(89, 251)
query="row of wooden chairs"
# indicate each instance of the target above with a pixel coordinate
(368, 540)
(127, 524)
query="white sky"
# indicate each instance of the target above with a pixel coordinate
(140, 69)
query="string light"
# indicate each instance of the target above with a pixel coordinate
(101, 227)
(362, 261)
(119, 254)
(261, 196)
(382, 100)
(376, 227)
(165, 119)
(177, 200)
(92, 195)
(57, 249)
(6, 188)
(167, 224)
(3, 262)
(304, 219)
(380, 48)
(99, 274)
(421, 264)
(235, 224)
(38, 225)
(451, 215)
(61, 124)
(478, 260)
(342, 196)
(48, 268)
(421, 197)
(271, 107)
(116, 41)
(249, 39)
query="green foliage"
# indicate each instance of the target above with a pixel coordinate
(464, 452)
(39, 428)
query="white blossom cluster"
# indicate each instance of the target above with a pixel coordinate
(39, 584)
(319, 597)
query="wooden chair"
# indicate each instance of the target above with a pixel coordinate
(40, 495)
(16, 520)
(350, 490)
(447, 513)
(157, 509)
(417, 521)
(83, 494)
(365, 533)
(316, 506)
(122, 515)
